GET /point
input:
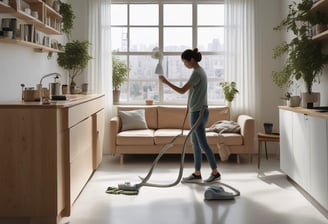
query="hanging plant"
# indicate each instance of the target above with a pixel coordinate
(68, 18)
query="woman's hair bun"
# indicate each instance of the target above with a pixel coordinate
(189, 54)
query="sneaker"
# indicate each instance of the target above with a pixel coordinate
(193, 178)
(213, 178)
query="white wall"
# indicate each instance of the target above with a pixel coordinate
(20, 64)
(267, 16)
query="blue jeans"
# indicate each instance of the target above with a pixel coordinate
(199, 141)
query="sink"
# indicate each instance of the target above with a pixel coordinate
(321, 109)
(65, 97)
(58, 97)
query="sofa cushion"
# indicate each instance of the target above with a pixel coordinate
(133, 119)
(150, 114)
(229, 138)
(164, 136)
(135, 137)
(217, 113)
(172, 117)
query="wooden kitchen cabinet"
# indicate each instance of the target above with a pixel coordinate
(47, 155)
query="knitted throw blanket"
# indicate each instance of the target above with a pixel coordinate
(220, 127)
(224, 126)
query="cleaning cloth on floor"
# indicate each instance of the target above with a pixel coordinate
(115, 190)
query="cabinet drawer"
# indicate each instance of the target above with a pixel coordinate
(80, 112)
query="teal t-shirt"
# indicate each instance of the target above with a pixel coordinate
(198, 90)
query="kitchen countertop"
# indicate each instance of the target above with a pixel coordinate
(311, 112)
(72, 100)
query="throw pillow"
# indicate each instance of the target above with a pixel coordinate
(133, 119)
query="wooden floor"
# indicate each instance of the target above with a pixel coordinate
(267, 197)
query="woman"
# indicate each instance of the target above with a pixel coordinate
(197, 86)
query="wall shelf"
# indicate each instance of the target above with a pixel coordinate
(48, 22)
(320, 6)
(36, 47)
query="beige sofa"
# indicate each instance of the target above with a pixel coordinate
(165, 122)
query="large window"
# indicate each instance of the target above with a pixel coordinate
(172, 26)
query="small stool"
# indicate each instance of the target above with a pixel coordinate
(274, 137)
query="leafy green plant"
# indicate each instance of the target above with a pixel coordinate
(304, 58)
(75, 58)
(67, 13)
(229, 90)
(120, 72)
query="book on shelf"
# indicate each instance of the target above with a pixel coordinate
(27, 32)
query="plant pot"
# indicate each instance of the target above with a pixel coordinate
(149, 102)
(310, 100)
(268, 128)
(295, 101)
(116, 96)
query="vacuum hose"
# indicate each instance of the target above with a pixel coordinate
(144, 181)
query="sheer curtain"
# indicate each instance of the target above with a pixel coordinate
(99, 69)
(240, 54)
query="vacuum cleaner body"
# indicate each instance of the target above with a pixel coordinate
(218, 193)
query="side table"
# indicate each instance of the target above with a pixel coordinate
(261, 137)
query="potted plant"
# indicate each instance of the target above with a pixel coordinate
(304, 57)
(229, 90)
(120, 72)
(74, 59)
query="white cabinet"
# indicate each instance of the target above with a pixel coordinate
(287, 162)
(319, 157)
(304, 152)
(301, 150)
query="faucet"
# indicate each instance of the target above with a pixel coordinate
(57, 75)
